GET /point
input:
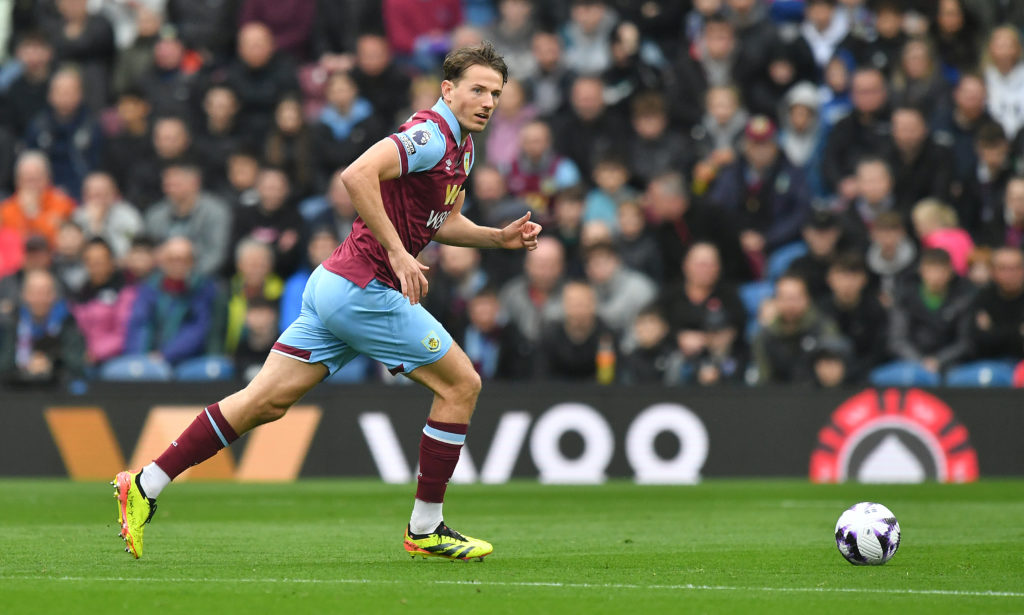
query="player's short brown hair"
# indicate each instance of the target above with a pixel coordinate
(484, 54)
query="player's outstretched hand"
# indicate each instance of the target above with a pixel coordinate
(521, 234)
(410, 273)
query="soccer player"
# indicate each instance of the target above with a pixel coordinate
(365, 299)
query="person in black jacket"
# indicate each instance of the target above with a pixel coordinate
(261, 77)
(858, 314)
(997, 325)
(864, 132)
(930, 323)
(921, 168)
(379, 80)
(273, 221)
(569, 347)
(27, 94)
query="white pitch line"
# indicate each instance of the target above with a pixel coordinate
(553, 584)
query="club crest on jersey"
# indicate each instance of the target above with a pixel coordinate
(410, 149)
(421, 137)
(432, 342)
(466, 160)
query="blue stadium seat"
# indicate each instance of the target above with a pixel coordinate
(138, 367)
(780, 259)
(355, 371)
(903, 374)
(205, 369)
(752, 294)
(981, 374)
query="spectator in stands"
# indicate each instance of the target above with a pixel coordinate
(419, 32)
(533, 299)
(567, 227)
(836, 81)
(635, 242)
(1004, 78)
(258, 337)
(785, 65)
(872, 198)
(169, 83)
(587, 47)
(336, 211)
(173, 316)
(654, 148)
(981, 199)
(688, 304)
(569, 346)
(919, 82)
(823, 29)
(552, 79)
(106, 215)
(26, 95)
(379, 80)
(1008, 229)
(653, 354)
(208, 27)
(260, 76)
(882, 48)
(172, 144)
(716, 139)
(513, 34)
(956, 35)
(785, 349)
(680, 222)
(86, 40)
(496, 350)
(620, 291)
(243, 170)
(764, 192)
(756, 34)
(997, 320)
(345, 128)
(290, 21)
(538, 172)
(455, 280)
(831, 361)
(130, 144)
(931, 319)
(589, 130)
(273, 221)
(103, 307)
(218, 135)
(255, 278)
(188, 211)
(289, 146)
(921, 168)
(864, 132)
(67, 257)
(515, 112)
(712, 62)
(958, 126)
(858, 314)
(135, 59)
(66, 131)
(936, 226)
(631, 70)
(140, 261)
(37, 256)
(322, 242)
(979, 266)
(822, 232)
(336, 28)
(42, 345)
(800, 127)
(610, 190)
(891, 255)
(37, 207)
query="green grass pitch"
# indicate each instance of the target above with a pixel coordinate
(332, 546)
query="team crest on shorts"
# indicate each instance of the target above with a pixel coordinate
(432, 342)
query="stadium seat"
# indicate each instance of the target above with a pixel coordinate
(138, 367)
(206, 368)
(903, 374)
(753, 294)
(780, 259)
(981, 374)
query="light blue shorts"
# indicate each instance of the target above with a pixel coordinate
(340, 320)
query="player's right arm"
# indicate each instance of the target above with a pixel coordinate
(362, 180)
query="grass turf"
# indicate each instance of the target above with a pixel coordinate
(335, 546)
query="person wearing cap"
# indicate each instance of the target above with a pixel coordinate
(37, 207)
(800, 126)
(831, 364)
(766, 194)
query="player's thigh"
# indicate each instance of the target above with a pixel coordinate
(451, 375)
(282, 380)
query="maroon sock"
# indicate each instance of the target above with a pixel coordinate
(440, 445)
(207, 434)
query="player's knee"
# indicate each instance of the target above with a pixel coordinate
(466, 390)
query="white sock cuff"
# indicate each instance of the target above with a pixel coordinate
(153, 480)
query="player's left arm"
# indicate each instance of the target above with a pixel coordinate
(458, 230)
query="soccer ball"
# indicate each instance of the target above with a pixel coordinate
(867, 534)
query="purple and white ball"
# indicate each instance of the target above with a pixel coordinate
(867, 534)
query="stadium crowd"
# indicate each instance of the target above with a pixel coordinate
(815, 192)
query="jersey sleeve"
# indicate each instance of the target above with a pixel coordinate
(421, 146)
